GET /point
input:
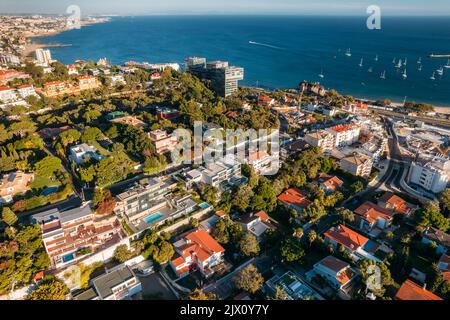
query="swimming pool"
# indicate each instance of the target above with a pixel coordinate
(68, 257)
(153, 217)
(49, 190)
(204, 205)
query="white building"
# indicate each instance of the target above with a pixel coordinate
(432, 176)
(323, 139)
(117, 79)
(337, 272)
(261, 161)
(345, 134)
(26, 91)
(81, 152)
(117, 284)
(7, 94)
(43, 57)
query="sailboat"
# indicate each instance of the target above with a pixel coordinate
(376, 58)
(405, 62)
(440, 71)
(420, 67)
(393, 61)
(361, 63)
(321, 75)
(370, 70)
(419, 61)
(404, 75)
(383, 75)
(447, 66)
(399, 64)
(433, 77)
(348, 53)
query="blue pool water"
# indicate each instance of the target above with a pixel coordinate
(153, 217)
(204, 205)
(68, 257)
(49, 190)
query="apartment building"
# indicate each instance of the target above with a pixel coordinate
(345, 134)
(432, 176)
(357, 164)
(56, 88)
(14, 183)
(7, 94)
(322, 139)
(88, 83)
(26, 90)
(43, 57)
(262, 162)
(72, 234)
(197, 251)
(163, 141)
(223, 78)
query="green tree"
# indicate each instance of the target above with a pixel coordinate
(431, 215)
(98, 197)
(291, 250)
(209, 194)
(122, 253)
(356, 187)
(248, 245)
(68, 137)
(368, 274)
(49, 289)
(48, 166)
(444, 200)
(345, 215)
(243, 197)
(164, 253)
(280, 294)
(249, 279)
(9, 216)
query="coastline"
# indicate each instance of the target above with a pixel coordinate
(33, 45)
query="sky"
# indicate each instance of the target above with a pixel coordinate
(291, 7)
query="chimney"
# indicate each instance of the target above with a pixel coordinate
(424, 286)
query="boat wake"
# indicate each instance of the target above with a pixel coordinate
(264, 45)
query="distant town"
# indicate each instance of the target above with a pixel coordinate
(93, 207)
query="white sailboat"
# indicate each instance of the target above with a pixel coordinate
(321, 75)
(419, 61)
(405, 62)
(370, 70)
(393, 61)
(361, 63)
(420, 67)
(433, 77)
(404, 75)
(399, 64)
(348, 53)
(376, 58)
(383, 75)
(440, 71)
(447, 66)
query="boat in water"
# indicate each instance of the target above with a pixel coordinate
(383, 75)
(361, 63)
(419, 61)
(420, 67)
(404, 74)
(433, 77)
(376, 58)
(321, 75)
(348, 53)
(405, 62)
(440, 71)
(399, 64)
(447, 66)
(370, 70)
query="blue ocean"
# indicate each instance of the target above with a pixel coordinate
(281, 51)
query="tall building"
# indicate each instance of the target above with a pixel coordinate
(43, 57)
(346, 134)
(357, 164)
(432, 176)
(223, 78)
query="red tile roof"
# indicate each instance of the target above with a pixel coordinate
(412, 291)
(397, 203)
(333, 183)
(5, 88)
(294, 197)
(346, 237)
(257, 155)
(344, 127)
(371, 212)
(262, 215)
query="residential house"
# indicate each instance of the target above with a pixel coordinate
(393, 202)
(357, 164)
(294, 199)
(257, 223)
(72, 70)
(369, 216)
(440, 238)
(197, 251)
(261, 162)
(295, 288)
(167, 113)
(208, 224)
(444, 266)
(354, 243)
(14, 183)
(265, 101)
(119, 283)
(81, 152)
(289, 150)
(337, 272)
(345, 134)
(56, 88)
(163, 141)
(88, 83)
(322, 139)
(69, 235)
(117, 79)
(329, 183)
(130, 120)
(412, 291)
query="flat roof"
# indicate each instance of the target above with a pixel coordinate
(105, 283)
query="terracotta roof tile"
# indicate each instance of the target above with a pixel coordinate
(412, 291)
